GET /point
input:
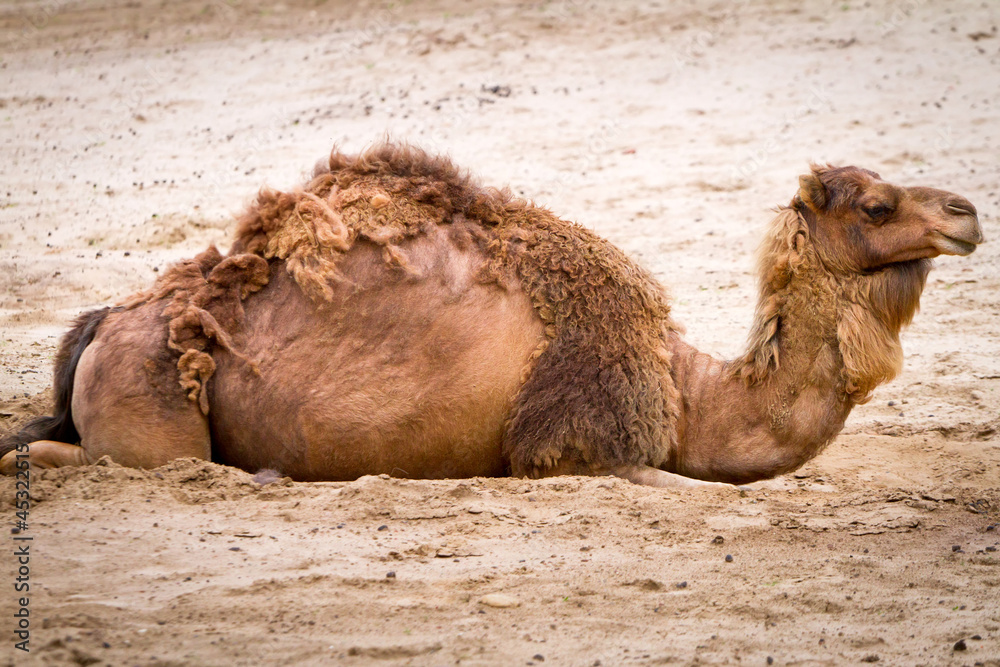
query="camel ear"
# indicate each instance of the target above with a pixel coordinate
(812, 191)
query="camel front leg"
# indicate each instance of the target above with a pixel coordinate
(637, 474)
(649, 476)
(44, 454)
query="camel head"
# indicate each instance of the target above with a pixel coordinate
(867, 245)
(860, 223)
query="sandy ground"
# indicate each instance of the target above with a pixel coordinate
(133, 131)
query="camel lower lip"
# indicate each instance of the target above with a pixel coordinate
(952, 246)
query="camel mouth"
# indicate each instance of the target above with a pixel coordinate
(949, 245)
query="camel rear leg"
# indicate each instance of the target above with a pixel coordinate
(140, 431)
(128, 404)
(120, 397)
(138, 439)
(44, 454)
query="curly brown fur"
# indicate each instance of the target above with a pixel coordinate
(779, 257)
(203, 310)
(600, 391)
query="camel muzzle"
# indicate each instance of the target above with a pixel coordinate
(959, 231)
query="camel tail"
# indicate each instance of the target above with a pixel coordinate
(59, 426)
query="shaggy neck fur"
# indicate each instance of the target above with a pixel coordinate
(860, 314)
(819, 344)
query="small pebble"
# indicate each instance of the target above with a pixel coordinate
(729, 558)
(539, 657)
(383, 527)
(500, 600)
(683, 584)
(956, 548)
(976, 637)
(718, 539)
(960, 645)
(390, 575)
(770, 660)
(235, 549)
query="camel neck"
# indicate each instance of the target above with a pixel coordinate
(822, 339)
(734, 430)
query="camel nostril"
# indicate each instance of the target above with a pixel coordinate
(961, 207)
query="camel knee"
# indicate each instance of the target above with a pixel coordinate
(43, 454)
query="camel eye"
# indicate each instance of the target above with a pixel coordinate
(878, 212)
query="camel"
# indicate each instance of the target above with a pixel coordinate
(393, 316)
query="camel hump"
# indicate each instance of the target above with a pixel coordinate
(596, 391)
(386, 196)
(59, 426)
